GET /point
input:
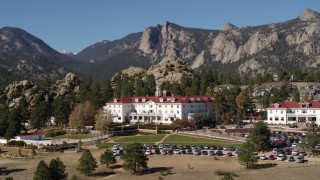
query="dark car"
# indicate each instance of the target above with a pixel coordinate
(291, 159)
(287, 151)
(219, 153)
(293, 126)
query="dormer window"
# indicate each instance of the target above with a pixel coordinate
(115, 100)
(143, 99)
(161, 99)
(173, 99)
(200, 99)
(276, 105)
(136, 100)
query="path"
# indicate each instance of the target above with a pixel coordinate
(161, 141)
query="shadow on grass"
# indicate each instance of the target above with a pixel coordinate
(166, 170)
(5, 171)
(117, 166)
(264, 166)
(102, 174)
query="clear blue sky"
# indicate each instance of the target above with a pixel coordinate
(76, 24)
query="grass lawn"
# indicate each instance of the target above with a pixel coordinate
(139, 139)
(182, 139)
(75, 136)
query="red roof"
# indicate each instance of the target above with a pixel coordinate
(167, 99)
(312, 104)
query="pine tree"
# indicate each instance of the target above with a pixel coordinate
(42, 171)
(134, 159)
(57, 169)
(108, 158)
(259, 136)
(246, 155)
(87, 163)
(4, 116)
(312, 135)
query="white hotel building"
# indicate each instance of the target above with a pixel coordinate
(293, 112)
(161, 108)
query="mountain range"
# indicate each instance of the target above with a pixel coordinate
(248, 50)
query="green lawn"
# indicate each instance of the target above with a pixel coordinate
(139, 139)
(75, 136)
(181, 139)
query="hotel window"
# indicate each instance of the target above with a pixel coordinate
(282, 118)
(177, 112)
(159, 106)
(270, 118)
(304, 111)
(270, 111)
(281, 112)
(314, 111)
(183, 106)
(177, 106)
(171, 106)
(276, 118)
(150, 106)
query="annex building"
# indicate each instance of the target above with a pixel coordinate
(161, 108)
(293, 112)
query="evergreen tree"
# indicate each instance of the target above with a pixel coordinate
(57, 169)
(296, 95)
(40, 115)
(4, 116)
(14, 124)
(259, 136)
(107, 91)
(134, 159)
(87, 163)
(312, 137)
(61, 110)
(108, 158)
(246, 155)
(42, 171)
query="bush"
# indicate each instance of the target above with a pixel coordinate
(52, 133)
(16, 143)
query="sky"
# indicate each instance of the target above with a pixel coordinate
(76, 24)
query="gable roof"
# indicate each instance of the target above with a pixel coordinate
(312, 104)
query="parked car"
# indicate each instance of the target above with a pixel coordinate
(295, 152)
(281, 157)
(197, 152)
(287, 151)
(275, 150)
(293, 126)
(271, 157)
(176, 151)
(294, 145)
(291, 159)
(189, 151)
(204, 153)
(163, 152)
(219, 153)
(302, 153)
(300, 159)
(115, 147)
(211, 153)
(148, 152)
(229, 154)
(263, 157)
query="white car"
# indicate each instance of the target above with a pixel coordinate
(295, 152)
(281, 157)
(263, 157)
(148, 152)
(294, 145)
(115, 147)
(176, 151)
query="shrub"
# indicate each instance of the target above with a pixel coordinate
(52, 133)
(16, 143)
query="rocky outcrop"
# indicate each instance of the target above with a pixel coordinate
(29, 91)
(169, 71)
(294, 41)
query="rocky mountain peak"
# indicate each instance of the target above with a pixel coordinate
(309, 14)
(228, 27)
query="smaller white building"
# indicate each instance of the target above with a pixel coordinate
(293, 112)
(31, 136)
